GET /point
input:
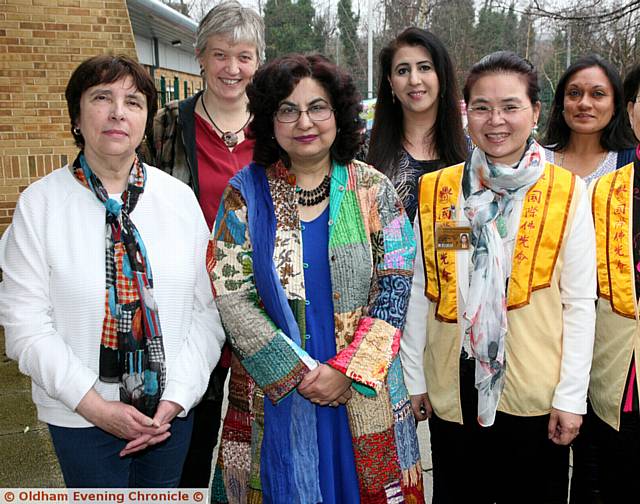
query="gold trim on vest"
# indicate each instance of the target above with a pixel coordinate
(439, 192)
(542, 224)
(611, 206)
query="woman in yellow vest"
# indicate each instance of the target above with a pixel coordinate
(613, 390)
(499, 334)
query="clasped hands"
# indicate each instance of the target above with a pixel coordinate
(325, 386)
(126, 422)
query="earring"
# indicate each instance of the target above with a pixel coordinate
(76, 131)
(393, 96)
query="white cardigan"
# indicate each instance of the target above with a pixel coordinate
(52, 297)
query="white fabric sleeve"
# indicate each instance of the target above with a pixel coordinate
(578, 294)
(414, 337)
(26, 309)
(200, 351)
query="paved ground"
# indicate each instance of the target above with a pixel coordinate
(27, 459)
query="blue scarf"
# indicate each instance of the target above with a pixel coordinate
(289, 452)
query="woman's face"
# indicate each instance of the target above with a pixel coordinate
(112, 119)
(414, 80)
(227, 67)
(503, 117)
(588, 101)
(306, 140)
(633, 109)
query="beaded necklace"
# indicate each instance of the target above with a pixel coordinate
(311, 197)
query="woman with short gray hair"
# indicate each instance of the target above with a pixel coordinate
(201, 141)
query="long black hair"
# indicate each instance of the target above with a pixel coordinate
(387, 134)
(617, 135)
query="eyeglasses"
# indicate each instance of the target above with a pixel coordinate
(318, 112)
(485, 111)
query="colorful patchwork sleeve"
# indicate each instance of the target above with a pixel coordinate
(271, 358)
(377, 336)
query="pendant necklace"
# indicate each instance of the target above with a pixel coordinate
(230, 138)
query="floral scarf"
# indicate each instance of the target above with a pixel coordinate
(131, 348)
(489, 191)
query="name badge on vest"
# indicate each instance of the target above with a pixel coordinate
(452, 236)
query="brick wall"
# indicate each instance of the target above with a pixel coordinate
(41, 43)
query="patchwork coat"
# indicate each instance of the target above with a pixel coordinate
(371, 254)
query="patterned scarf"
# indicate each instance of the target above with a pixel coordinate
(131, 349)
(489, 191)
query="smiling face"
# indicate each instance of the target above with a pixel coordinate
(112, 120)
(228, 68)
(305, 140)
(414, 80)
(588, 101)
(502, 135)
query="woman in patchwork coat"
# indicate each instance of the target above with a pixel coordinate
(311, 261)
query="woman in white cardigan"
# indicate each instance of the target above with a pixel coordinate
(118, 352)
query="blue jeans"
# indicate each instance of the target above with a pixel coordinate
(89, 457)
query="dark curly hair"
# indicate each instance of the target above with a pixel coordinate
(387, 134)
(105, 69)
(276, 80)
(616, 135)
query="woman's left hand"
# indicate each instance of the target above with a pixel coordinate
(563, 426)
(166, 412)
(324, 385)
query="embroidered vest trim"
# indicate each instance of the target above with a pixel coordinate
(436, 199)
(611, 206)
(543, 220)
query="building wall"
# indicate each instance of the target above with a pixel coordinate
(181, 58)
(41, 43)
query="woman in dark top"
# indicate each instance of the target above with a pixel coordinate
(417, 126)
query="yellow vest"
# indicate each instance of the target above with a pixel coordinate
(533, 344)
(617, 325)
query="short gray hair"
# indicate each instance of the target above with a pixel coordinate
(230, 18)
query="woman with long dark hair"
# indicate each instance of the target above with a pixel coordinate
(417, 126)
(588, 131)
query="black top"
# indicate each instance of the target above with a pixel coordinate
(405, 179)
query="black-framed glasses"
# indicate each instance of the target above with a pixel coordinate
(317, 112)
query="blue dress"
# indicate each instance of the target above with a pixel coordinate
(338, 477)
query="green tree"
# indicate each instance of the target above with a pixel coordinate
(289, 27)
(510, 30)
(452, 22)
(526, 36)
(489, 32)
(350, 43)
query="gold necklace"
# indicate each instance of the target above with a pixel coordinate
(230, 138)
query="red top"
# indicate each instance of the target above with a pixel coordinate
(216, 165)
